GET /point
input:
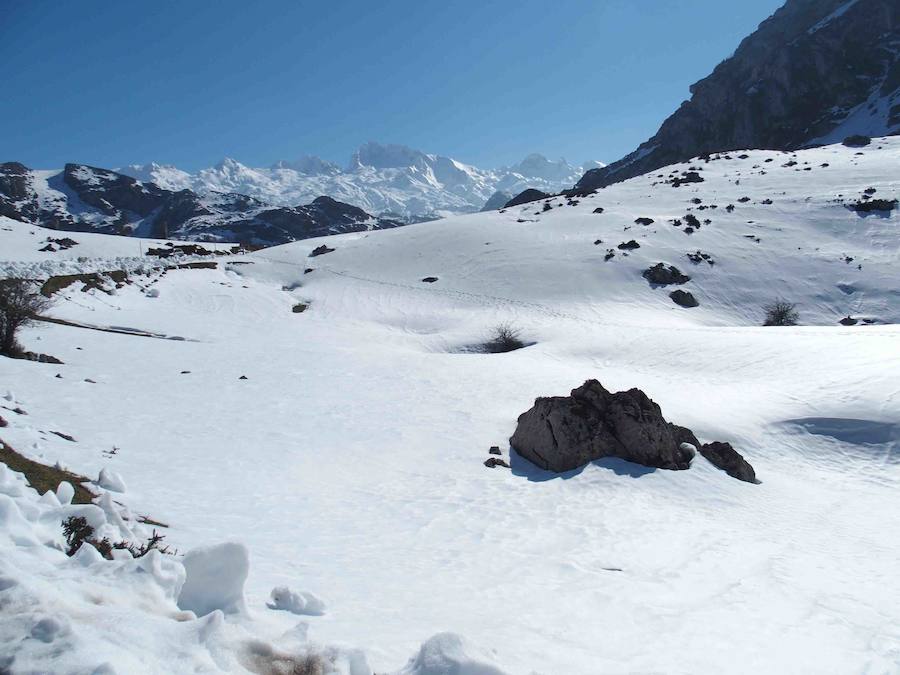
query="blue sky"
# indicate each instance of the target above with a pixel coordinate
(188, 83)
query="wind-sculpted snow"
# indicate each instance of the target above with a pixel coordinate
(155, 614)
(344, 446)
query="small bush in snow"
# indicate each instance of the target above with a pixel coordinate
(78, 532)
(20, 303)
(781, 313)
(504, 338)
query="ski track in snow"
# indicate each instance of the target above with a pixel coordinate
(350, 461)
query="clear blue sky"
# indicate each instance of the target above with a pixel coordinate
(190, 82)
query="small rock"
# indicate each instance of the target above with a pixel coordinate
(320, 250)
(429, 280)
(723, 456)
(242, 377)
(491, 462)
(684, 298)
(848, 321)
(628, 245)
(495, 449)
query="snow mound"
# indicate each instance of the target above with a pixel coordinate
(215, 579)
(300, 602)
(449, 654)
(110, 480)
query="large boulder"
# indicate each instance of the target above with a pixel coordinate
(729, 460)
(562, 433)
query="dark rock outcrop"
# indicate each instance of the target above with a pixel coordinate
(801, 74)
(562, 433)
(873, 205)
(529, 195)
(662, 275)
(723, 456)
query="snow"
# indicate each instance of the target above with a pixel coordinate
(350, 461)
(836, 14)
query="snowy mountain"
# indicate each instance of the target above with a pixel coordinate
(814, 72)
(84, 198)
(378, 178)
(316, 428)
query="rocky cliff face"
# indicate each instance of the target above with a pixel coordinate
(812, 73)
(87, 199)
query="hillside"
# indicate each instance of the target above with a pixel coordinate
(350, 460)
(813, 73)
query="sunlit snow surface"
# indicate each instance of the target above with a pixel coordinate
(349, 461)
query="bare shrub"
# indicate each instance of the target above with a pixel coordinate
(504, 338)
(20, 303)
(781, 313)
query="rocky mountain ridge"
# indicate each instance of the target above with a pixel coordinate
(813, 73)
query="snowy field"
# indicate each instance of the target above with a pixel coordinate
(349, 461)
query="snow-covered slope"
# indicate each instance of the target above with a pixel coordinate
(350, 461)
(379, 179)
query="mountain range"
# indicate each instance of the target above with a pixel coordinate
(89, 199)
(392, 180)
